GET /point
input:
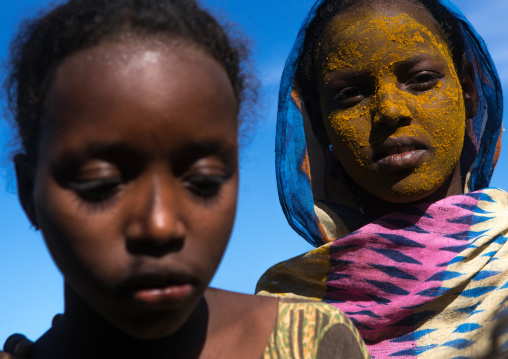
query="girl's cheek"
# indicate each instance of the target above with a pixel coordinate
(349, 130)
(447, 125)
(350, 126)
(446, 128)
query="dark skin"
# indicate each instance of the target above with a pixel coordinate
(135, 193)
(383, 111)
(375, 207)
(206, 333)
(221, 327)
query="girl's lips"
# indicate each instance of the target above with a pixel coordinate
(160, 287)
(402, 159)
(171, 294)
(399, 154)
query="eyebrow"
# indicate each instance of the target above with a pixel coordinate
(207, 147)
(191, 151)
(416, 59)
(337, 79)
(347, 75)
(98, 149)
(352, 74)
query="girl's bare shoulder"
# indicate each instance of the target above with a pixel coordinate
(239, 323)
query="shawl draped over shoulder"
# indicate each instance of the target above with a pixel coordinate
(428, 282)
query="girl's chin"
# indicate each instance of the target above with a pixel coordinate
(146, 330)
(408, 190)
(154, 321)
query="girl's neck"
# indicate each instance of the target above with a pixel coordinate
(83, 333)
(213, 330)
(375, 207)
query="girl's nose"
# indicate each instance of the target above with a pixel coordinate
(156, 226)
(390, 107)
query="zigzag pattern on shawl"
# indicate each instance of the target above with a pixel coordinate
(380, 274)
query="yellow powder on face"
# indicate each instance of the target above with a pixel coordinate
(353, 45)
(336, 60)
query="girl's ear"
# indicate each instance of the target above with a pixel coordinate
(469, 92)
(25, 174)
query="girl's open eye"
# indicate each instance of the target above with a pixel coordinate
(348, 97)
(96, 190)
(205, 186)
(423, 81)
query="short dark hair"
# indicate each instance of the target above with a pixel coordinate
(44, 42)
(306, 70)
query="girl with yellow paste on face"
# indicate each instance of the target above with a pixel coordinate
(388, 132)
(127, 116)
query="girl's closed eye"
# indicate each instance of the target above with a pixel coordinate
(206, 186)
(97, 190)
(96, 183)
(206, 181)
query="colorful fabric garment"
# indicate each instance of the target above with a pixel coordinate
(424, 283)
(308, 330)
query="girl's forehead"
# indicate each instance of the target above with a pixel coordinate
(379, 32)
(388, 17)
(115, 77)
(137, 64)
(132, 51)
(154, 100)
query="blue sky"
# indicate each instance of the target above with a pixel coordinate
(31, 286)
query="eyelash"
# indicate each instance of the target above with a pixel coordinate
(348, 97)
(205, 186)
(97, 191)
(423, 81)
(420, 82)
(102, 190)
(97, 194)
